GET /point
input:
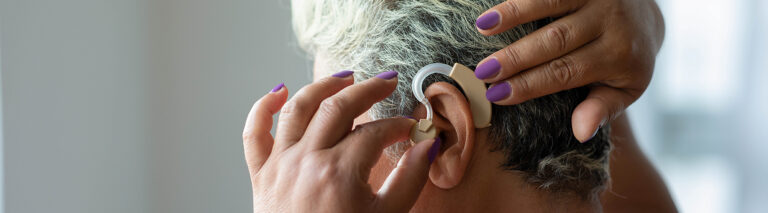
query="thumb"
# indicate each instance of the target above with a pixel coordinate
(403, 186)
(602, 105)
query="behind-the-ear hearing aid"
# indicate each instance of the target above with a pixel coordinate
(473, 88)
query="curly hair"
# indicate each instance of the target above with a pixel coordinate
(373, 35)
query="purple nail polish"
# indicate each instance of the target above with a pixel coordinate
(487, 69)
(387, 75)
(343, 74)
(498, 92)
(278, 87)
(487, 21)
(432, 152)
(410, 117)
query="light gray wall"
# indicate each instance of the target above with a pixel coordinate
(73, 95)
(2, 168)
(136, 105)
(212, 60)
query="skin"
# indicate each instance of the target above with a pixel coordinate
(317, 162)
(635, 186)
(610, 45)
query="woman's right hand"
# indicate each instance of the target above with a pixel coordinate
(318, 163)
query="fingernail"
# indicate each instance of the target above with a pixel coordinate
(343, 74)
(593, 135)
(409, 117)
(278, 87)
(487, 69)
(487, 21)
(432, 153)
(498, 92)
(387, 75)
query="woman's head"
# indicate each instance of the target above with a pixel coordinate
(370, 36)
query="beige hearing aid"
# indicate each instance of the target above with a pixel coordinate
(473, 88)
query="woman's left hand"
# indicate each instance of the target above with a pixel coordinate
(610, 45)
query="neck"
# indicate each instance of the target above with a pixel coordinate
(488, 188)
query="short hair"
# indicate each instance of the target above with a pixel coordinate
(370, 36)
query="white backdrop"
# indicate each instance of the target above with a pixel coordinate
(704, 118)
(138, 105)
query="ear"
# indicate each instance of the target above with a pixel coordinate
(453, 118)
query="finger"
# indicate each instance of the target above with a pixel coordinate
(335, 115)
(403, 186)
(364, 145)
(579, 68)
(296, 114)
(602, 105)
(553, 40)
(257, 141)
(511, 13)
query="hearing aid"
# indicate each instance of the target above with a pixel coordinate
(473, 88)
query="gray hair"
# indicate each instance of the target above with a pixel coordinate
(370, 36)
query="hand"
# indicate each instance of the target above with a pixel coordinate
(610, 45)
(318, 163)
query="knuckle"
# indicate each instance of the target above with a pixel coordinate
(522, 87)
(293, 107)
(554, 3)
(615, 10)
(512, 9)
(326, 173)
(305, 98)
(560, 70)
(630, 54)
(624, 49)
(248, 136)
(287, 160)
(564, 71)
(367, 130)
(558, 35)
(332, 106)
(562, 76)
(300, 102)
(512, 55)
(323, 169)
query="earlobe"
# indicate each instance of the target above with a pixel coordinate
(453, 119)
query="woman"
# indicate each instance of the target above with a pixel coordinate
(315, 163)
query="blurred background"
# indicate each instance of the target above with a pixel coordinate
(138, 105)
